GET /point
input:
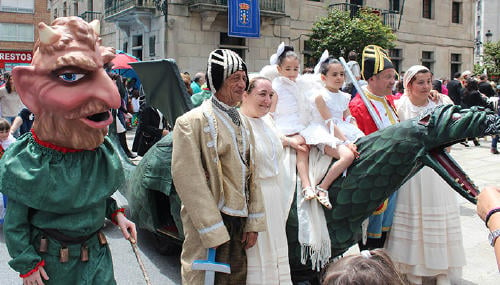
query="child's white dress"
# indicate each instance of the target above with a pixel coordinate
(318, 133)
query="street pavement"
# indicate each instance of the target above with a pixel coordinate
(479, 164)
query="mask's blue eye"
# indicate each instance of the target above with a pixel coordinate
(71, 77)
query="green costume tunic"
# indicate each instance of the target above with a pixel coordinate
(66, 191)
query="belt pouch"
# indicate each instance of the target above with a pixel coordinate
(102, 238)
(63, 254)
(84, 253)
(44, 244)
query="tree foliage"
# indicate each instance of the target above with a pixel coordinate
(339, 33)
(491, 58)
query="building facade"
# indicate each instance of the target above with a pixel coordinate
(438, 34)
(486, 25)
(18, 20)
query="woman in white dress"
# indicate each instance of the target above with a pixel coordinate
(268, 259)
(426, 238)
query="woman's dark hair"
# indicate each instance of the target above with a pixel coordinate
(8, 82)
(437, 85)
(375, 269)
(287, 51)
(325, 65)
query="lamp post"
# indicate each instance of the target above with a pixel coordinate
(488, 35)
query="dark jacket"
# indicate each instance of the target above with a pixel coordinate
(454, 86)
(486, 89)
(148, 131)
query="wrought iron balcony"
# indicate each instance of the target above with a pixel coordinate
(89, 16)
(389, 17)
(113, 7)
(268, 8)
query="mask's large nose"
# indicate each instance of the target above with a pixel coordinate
(106, 90)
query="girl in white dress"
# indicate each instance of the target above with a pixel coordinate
(426, 238)
(290, 112)
(333, 129)
(267, 261)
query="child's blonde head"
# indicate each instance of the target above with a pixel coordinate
(372, 267)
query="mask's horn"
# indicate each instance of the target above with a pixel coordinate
(96, 26)
(47, 35)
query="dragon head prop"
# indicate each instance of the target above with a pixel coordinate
(391, 156)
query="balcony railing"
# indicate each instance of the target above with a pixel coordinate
(112, 7)
(389, 18)
(265, 5)
(89, 16)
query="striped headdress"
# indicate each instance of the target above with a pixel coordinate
(375, 60)
(221, 64)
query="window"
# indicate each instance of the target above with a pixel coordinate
(17, 6)
(456, 12)
(455, 63)
(152, 47)
(427, 9)
(75, 8)
(428, 60)
(55, 13)
(235, 44)
(137, 46)
(309, 60)
(65, 9)
(396, 55)
(16, 32)
(394, 5)
(125, 47)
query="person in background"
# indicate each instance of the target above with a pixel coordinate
(488, 209)
(10, 102)
(6, 139)
(198, 81)
(307, 70)
(485, 86)
(187, 82)
(399, 89)
(356, 71)
(152, 127)
(454, 88)
(23, 122)
(444, 84)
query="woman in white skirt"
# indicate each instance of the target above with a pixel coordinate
(426, 238)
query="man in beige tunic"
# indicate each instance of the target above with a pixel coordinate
(212, 168)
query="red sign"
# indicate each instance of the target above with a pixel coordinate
(15, 56)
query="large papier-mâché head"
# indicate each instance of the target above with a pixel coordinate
(66, 86)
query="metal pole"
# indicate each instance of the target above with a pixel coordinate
(368, 104)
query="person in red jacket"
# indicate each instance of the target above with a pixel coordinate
(378, 71)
